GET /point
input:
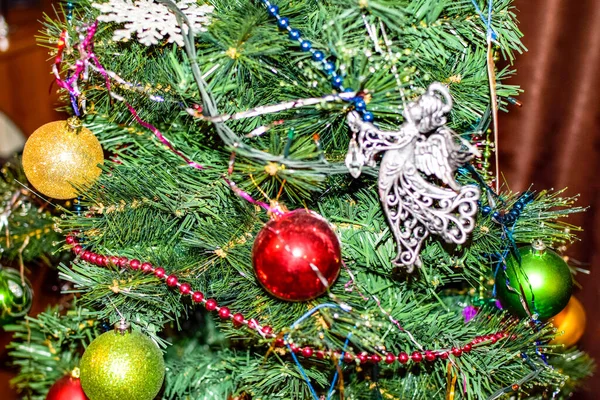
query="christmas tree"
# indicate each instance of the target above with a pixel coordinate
(296, 200)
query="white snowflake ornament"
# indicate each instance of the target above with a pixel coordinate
(153, 21)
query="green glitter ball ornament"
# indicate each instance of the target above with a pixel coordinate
(543, 282)
(120, 365)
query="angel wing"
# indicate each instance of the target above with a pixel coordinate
(416, 208)
(367, 140)
(440, 155)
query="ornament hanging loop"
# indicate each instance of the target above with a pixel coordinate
(122, 327)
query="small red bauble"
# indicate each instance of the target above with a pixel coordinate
(146, 267)
(224, 312)
(197, 297)
(185, 288)
(70, 239)
(135, 264)
(416, 356)
(307, 352)
(375, 358)
(430, 356)
(66, 388)
(211, 304)
(348, 357)
(267, 330)
(403, 358)
(390, 358)
(289, 249)
(456, 352)
(238, 319)
(171, 280)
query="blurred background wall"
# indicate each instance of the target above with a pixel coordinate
(552, 141)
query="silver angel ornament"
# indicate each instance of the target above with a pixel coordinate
(417, 188)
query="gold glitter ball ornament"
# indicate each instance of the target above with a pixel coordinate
(122, 365)
(61, 154)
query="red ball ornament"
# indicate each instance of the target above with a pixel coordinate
(295, 254)
(66, 388)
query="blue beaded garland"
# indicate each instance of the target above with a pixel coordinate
(337, 81)
(486, 210)
(359, 104)
(283, 23)
(368, 116)
(306, 45)
(318, 56)
(328, 67)
(294, 34)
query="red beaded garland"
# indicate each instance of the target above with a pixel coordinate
(70, 239)
(211, 304)
(348, 357)
(295, 254)
(185, 288)
(197, 297)
(430, 356)
(252, 324)
(375, 358)
(416, 356)
(307, 352)
(146, 267)
(267, 331)
(171, 280)
(403, 358)
(224, 312)
(238, 319)
(456, 352)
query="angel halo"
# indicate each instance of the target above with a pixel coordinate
(414, 204)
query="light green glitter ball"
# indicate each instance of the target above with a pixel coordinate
(118, 366)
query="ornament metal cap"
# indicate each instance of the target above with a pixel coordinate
(74, 123)
(538, 246)
(122, 327)
(75, 373)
